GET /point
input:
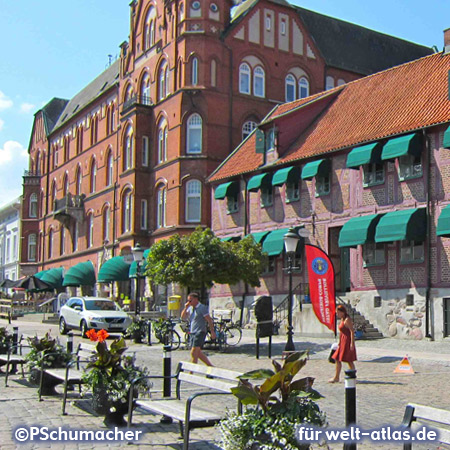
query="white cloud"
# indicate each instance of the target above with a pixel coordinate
(26, 108)
(5, 102)
(2, 124)
(13, 161)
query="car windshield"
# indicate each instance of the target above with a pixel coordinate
(101, 305)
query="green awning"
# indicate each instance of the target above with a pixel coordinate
(359, 230)
(446, 143)
(366, 154)
(407, 224)
(443, 225)
(114, 269)
(82, 274)
(231, 239)
(259, 236)
(274, 242)
(258, 181)
(41, 273)
(286, 175)
(54, 277)
(133, 267)
(320, 167)
(410, 144)
(226, 190)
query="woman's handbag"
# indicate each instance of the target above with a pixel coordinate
(334, 347)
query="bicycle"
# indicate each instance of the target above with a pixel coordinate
(165, 332)
(232, 332)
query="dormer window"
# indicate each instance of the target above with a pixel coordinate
(271, 137)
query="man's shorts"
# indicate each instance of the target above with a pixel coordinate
(198, 339)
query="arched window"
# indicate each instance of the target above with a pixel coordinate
(50, 244)
(194, 73)
(193, 201)
(90, 230)
(110, 118)
(163, 87)
(78, 181)
(38, 164)
(161, 208)
(244, 78)
(66, 149)
(162, 142)
(145, 150)
(128, 93)
(93, 180)
(66, 185)
(247, 128)
(62, 241)
(32, 246)
(126, 212)
(194, 134)
(303, 88)
(94, 130)
(329, 83)
(106, 224)
(340, 82)
(79, 139)
(33, 205)
(149, 29)
(109, 168)
(290, 88)
(145, 90)
(259, 82)
(53, 197)
(128, 149)
(144, 214)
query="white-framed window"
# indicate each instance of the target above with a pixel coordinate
(292, 192)
(54, 195)
(409, 166)
(232, 204)
(322, 185)
(144, 214)
(90, 231)
(79, 181)
(303, 87)
(33, 205)
(32, 247)
(109, 169)
(106, 223)
(270, 137)
(145, 90)
(259, 82)
(93, 176)
(193, 201)
(411, 251)
(329, 83)
(162, 143)
(374, 253)
(145, 145)
(126, 212)
(283, 27)
(161, 208)
(62, 241)
(268, 23)
(247, 128)
(297, 262)
(50, 244)
(8, 249)
(266, 196)
(340, 82)
(128, 151)
(194, 134)
(163, 81)
(270, 266)
(290, 88)
(373, 174)
(244, 78)
(194, 74)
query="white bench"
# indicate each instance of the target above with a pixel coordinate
(189, 415)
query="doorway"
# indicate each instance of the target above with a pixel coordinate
(341, 260)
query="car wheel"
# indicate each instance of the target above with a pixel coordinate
(83, 328)
(62, 326)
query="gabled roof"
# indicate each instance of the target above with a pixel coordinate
(399, 100)
(93, 90)
(345, 45)
(51, 111)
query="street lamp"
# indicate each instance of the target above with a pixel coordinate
(138, 256)
(291, 239)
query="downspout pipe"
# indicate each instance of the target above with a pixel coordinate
(246, 230)
(428, 306)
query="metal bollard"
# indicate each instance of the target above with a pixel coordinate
(69, 343)
(15, 343)
(149, 331)
(167, 363)
(350, 403)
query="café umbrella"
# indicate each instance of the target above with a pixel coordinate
(32, 283)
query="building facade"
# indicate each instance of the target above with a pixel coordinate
(365, 171)
(125, 160)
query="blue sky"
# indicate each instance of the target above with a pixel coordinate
(53, 48)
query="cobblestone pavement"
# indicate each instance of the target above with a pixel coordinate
(381, 394)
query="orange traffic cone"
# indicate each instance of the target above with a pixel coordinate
(404, 366)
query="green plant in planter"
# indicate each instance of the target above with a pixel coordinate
(282, 404)
(6, 340)
(162, 329)
(137, 330)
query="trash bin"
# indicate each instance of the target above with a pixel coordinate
(264, 316)
(174, 302)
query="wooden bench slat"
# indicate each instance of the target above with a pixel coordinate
(213, 371)
(60, 374)
(433, 414)
(212, 383)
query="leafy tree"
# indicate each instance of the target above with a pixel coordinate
(201, 259)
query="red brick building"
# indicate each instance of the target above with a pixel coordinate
(125, 160)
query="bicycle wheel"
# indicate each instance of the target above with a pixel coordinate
(221, 340)
(234, 335)
(174, 340)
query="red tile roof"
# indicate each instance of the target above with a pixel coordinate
(398, 100)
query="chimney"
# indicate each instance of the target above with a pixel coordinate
(447, 40)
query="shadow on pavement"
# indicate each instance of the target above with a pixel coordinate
(378, 382)
(385, 359)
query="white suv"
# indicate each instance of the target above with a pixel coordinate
(85, 313)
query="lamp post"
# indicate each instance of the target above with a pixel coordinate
(291, 239)
(138, 256)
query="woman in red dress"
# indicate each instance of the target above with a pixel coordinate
(346, 350)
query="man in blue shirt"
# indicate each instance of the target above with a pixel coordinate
(199, 318)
